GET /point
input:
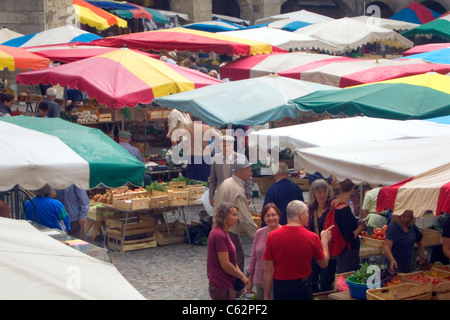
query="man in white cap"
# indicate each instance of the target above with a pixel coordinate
(54, 109)
(232, 190)
(222, 168)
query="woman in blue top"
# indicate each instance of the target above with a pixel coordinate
(49, 212)
(401, 235)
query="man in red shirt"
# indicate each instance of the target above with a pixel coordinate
(288, 255)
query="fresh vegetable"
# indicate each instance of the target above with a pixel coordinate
(157, 186)
(189, 181)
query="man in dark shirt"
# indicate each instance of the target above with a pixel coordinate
(283, 191)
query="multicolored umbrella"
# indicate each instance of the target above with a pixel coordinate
(17, 58)
(121, 78)
(415, 97)
(95, 17)
(243, 102)
(127, 10)
(288, 24)
(279, 38)
(415, 13)
(426, 48)
(36, 151)
(214, 26)
(347, 34)
(6, 34)
(183, 39)
(441, 56)
(438, 28)
(264, 64)
(348, 73)
(64, 34)
(429, 190)
(71, 52)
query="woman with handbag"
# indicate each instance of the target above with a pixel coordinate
(321, 196)
(221, 267)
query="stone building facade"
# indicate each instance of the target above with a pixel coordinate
(28, 17)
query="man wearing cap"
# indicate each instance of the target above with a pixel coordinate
(222, 168)
(124, 141)
(232, 190)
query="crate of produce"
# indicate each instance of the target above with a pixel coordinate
(104, 117)
(372, 242)
(99, 212)
(158, 202)
(177, 185)
(339, 283)
(154, 114)
(302, 183)
(441, 267)
(431, 237)
(138, 114)
(169, 233)
(404, 291)
(125, 203)
(195, 193)
(179, 198)
(439, 280)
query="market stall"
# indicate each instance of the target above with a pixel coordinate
(138, 218)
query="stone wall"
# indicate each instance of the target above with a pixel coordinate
(198, 10)
(33, 16)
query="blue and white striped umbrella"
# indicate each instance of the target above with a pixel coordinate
(64, 34)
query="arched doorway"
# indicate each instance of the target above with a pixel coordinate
(331, 8)
(226, 7)
(384, 10)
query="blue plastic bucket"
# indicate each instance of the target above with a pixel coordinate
(357, 290)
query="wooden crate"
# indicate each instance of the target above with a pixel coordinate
(134, 244)
(441, 267)
(440, 287)
(104, 117)
(134, 226)
(131, 204)
(177, 185)
(154, 114)
(372, 242)
(158, 202)
(431, 237)
(404, 291)
(179, 198)
(302, 183)
(195, 193)
(97, 213)
(138, 114)
(176, 229)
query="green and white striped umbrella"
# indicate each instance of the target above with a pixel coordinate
(36, 151)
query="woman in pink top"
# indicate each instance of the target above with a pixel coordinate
(271, 216)
(221, 267)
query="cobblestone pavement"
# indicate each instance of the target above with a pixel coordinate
(172, 272)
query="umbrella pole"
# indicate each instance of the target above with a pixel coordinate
(361, 199)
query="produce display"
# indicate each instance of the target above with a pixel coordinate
(433, 276)
(375, 233)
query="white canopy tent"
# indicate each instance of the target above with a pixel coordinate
(343, 131)
(346, 34)
(376, 162)
(302, 15)
(34, 266)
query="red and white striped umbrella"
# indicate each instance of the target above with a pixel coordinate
(264, 64)
(427, 191)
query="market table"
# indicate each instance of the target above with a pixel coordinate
(137, 222)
